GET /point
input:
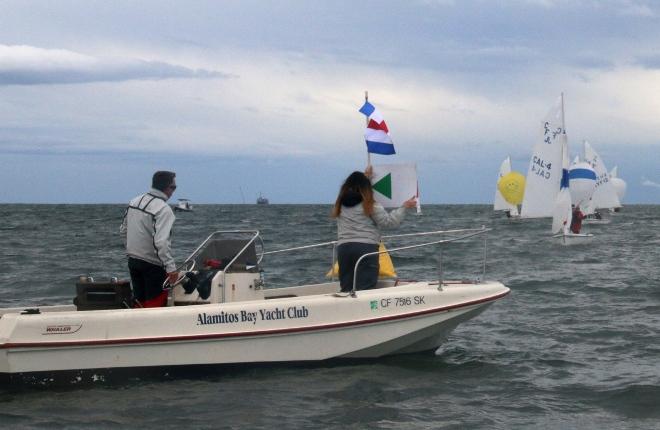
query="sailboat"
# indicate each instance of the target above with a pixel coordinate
(619, 186)
(504, 201)
(576, 187)
(605, 196)
(547, 186)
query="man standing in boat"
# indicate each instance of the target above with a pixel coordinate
(146, 230)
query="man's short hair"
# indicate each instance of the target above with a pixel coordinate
(162, 179)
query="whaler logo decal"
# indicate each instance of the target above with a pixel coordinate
(292, 312)
(61, 329)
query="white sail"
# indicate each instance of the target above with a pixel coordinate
(618, 184)
(562, 213)
(545, 170)
(582, 179)
(604, 196)
(500, 204)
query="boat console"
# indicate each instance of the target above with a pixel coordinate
(224, 268)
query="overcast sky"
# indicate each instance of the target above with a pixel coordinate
(243, 97)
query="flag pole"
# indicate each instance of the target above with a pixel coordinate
(366, 99)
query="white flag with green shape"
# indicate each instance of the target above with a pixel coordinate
(393, 184)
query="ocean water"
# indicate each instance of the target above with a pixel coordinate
(575, 345)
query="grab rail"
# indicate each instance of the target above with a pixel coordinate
(256, 235)
(392, 236)
(475, 232)
(470, 233)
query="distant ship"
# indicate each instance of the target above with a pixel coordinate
(261, 200)
(184, 205)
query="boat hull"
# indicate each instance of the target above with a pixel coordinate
(573, 238)
(410, 318)
(595, 221)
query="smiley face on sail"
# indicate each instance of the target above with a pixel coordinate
(512, 187)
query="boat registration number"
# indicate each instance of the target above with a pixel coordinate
(401, 301)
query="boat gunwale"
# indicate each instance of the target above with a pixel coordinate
(210, 336)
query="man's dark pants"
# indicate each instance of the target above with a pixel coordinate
(146, 278)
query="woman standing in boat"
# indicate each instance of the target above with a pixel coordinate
(359, 220)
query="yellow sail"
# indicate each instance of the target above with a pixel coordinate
(512, 187)
(386, 269)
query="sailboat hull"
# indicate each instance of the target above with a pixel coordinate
(574, 239)
(595, 221)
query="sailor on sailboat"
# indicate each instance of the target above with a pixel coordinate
(582, 183)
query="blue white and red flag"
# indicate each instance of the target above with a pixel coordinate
(377, 135)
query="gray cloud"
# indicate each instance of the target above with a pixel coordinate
(649, 183)
(461, 83)
(28, 65)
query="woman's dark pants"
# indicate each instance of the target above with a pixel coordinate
(367, 272)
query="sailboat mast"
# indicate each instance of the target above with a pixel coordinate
(563, 121)
(564, 146)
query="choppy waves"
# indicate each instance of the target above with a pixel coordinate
(573, 346)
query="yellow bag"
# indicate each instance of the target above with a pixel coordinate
(386, 269)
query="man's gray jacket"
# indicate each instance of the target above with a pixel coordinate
(147, 227)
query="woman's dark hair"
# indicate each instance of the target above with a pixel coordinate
(162, 179)
(356, 182)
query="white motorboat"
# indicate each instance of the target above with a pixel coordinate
(183, 205)
(219, 313)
